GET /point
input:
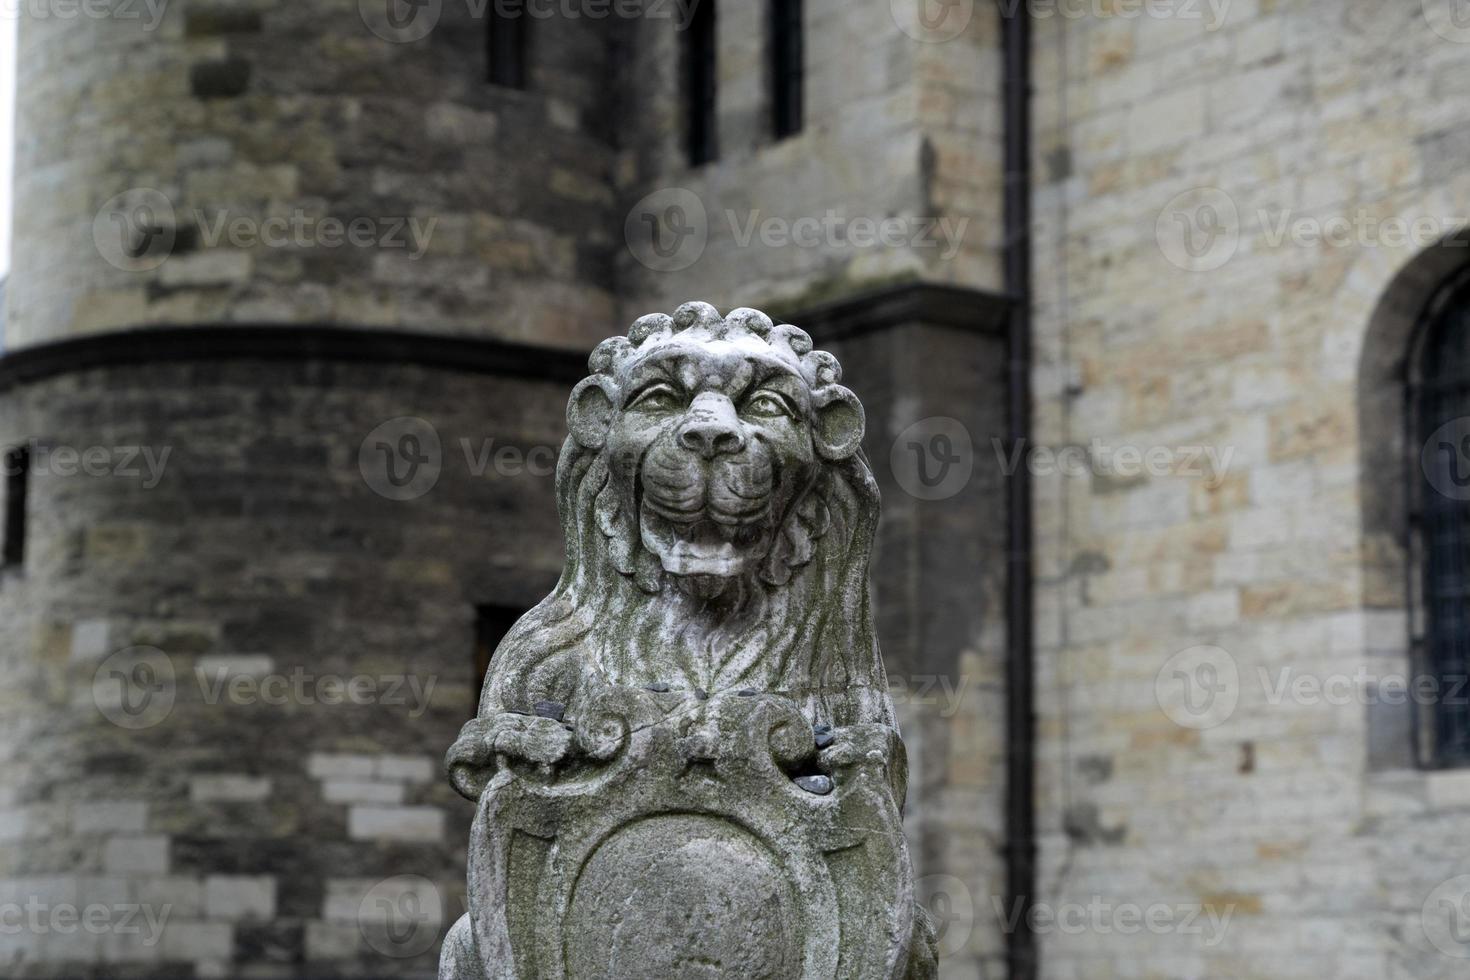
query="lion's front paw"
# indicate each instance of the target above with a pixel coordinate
(856, 744)
(874, 746)
(529, 737)
(483, 742)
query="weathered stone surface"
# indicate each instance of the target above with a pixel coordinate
(675, 814)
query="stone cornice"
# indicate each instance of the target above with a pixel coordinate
(864, 312)
(930, 304)
(153, 345)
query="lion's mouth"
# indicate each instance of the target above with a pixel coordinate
(702, 547)
(709, 548)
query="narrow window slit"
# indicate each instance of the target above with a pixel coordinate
(17, 483)
(700, 72)
(787, 47)
(505, 47)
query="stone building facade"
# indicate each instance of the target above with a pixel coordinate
(1321, 141)
(296, 299)
(296, 302)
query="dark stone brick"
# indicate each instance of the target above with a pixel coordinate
(1083, 824)
(280, 941)
(215, 20)
(224, 79)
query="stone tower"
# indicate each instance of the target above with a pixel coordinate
(296, 296)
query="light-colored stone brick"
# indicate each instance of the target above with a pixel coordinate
(410, 768)
(109, 816)
(334, 791)
(1449, 790)
(14, 823)
(182, 896)
(1166, 121)
(186, 940)
(90, 639)
(217, 267)
(340, 766)
(217, 670)
(138, 854)
(333, 940)
(409, 823)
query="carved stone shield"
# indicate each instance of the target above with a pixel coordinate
(685, 849)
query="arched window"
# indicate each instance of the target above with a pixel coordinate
(1439, 434)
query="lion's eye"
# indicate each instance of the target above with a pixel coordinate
(657, 397)
(767, 404)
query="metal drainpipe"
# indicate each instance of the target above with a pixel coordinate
(1020, 848)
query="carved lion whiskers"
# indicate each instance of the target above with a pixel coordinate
(685, 757)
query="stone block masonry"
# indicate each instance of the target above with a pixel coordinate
(284, 164)
(288, 734)
(1160, 326)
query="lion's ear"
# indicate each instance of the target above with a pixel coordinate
(590, 411)
(839, 422)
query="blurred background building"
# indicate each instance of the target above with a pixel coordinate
(298, 291)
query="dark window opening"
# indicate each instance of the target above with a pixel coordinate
(787, 51)
(491, 625)
(699, 83)
(1440, 436)
(505, 47)
(17, 479)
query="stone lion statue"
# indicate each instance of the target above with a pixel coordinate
(705, 672)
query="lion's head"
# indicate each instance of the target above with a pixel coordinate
(719, 515)
(714, 431)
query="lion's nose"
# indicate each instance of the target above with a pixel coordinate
(710, 438)
(712, 428)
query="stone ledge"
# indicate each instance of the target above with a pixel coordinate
(149, 345)
(931, 304)
(952, 307)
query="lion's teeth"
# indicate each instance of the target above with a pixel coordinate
(705, 549)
